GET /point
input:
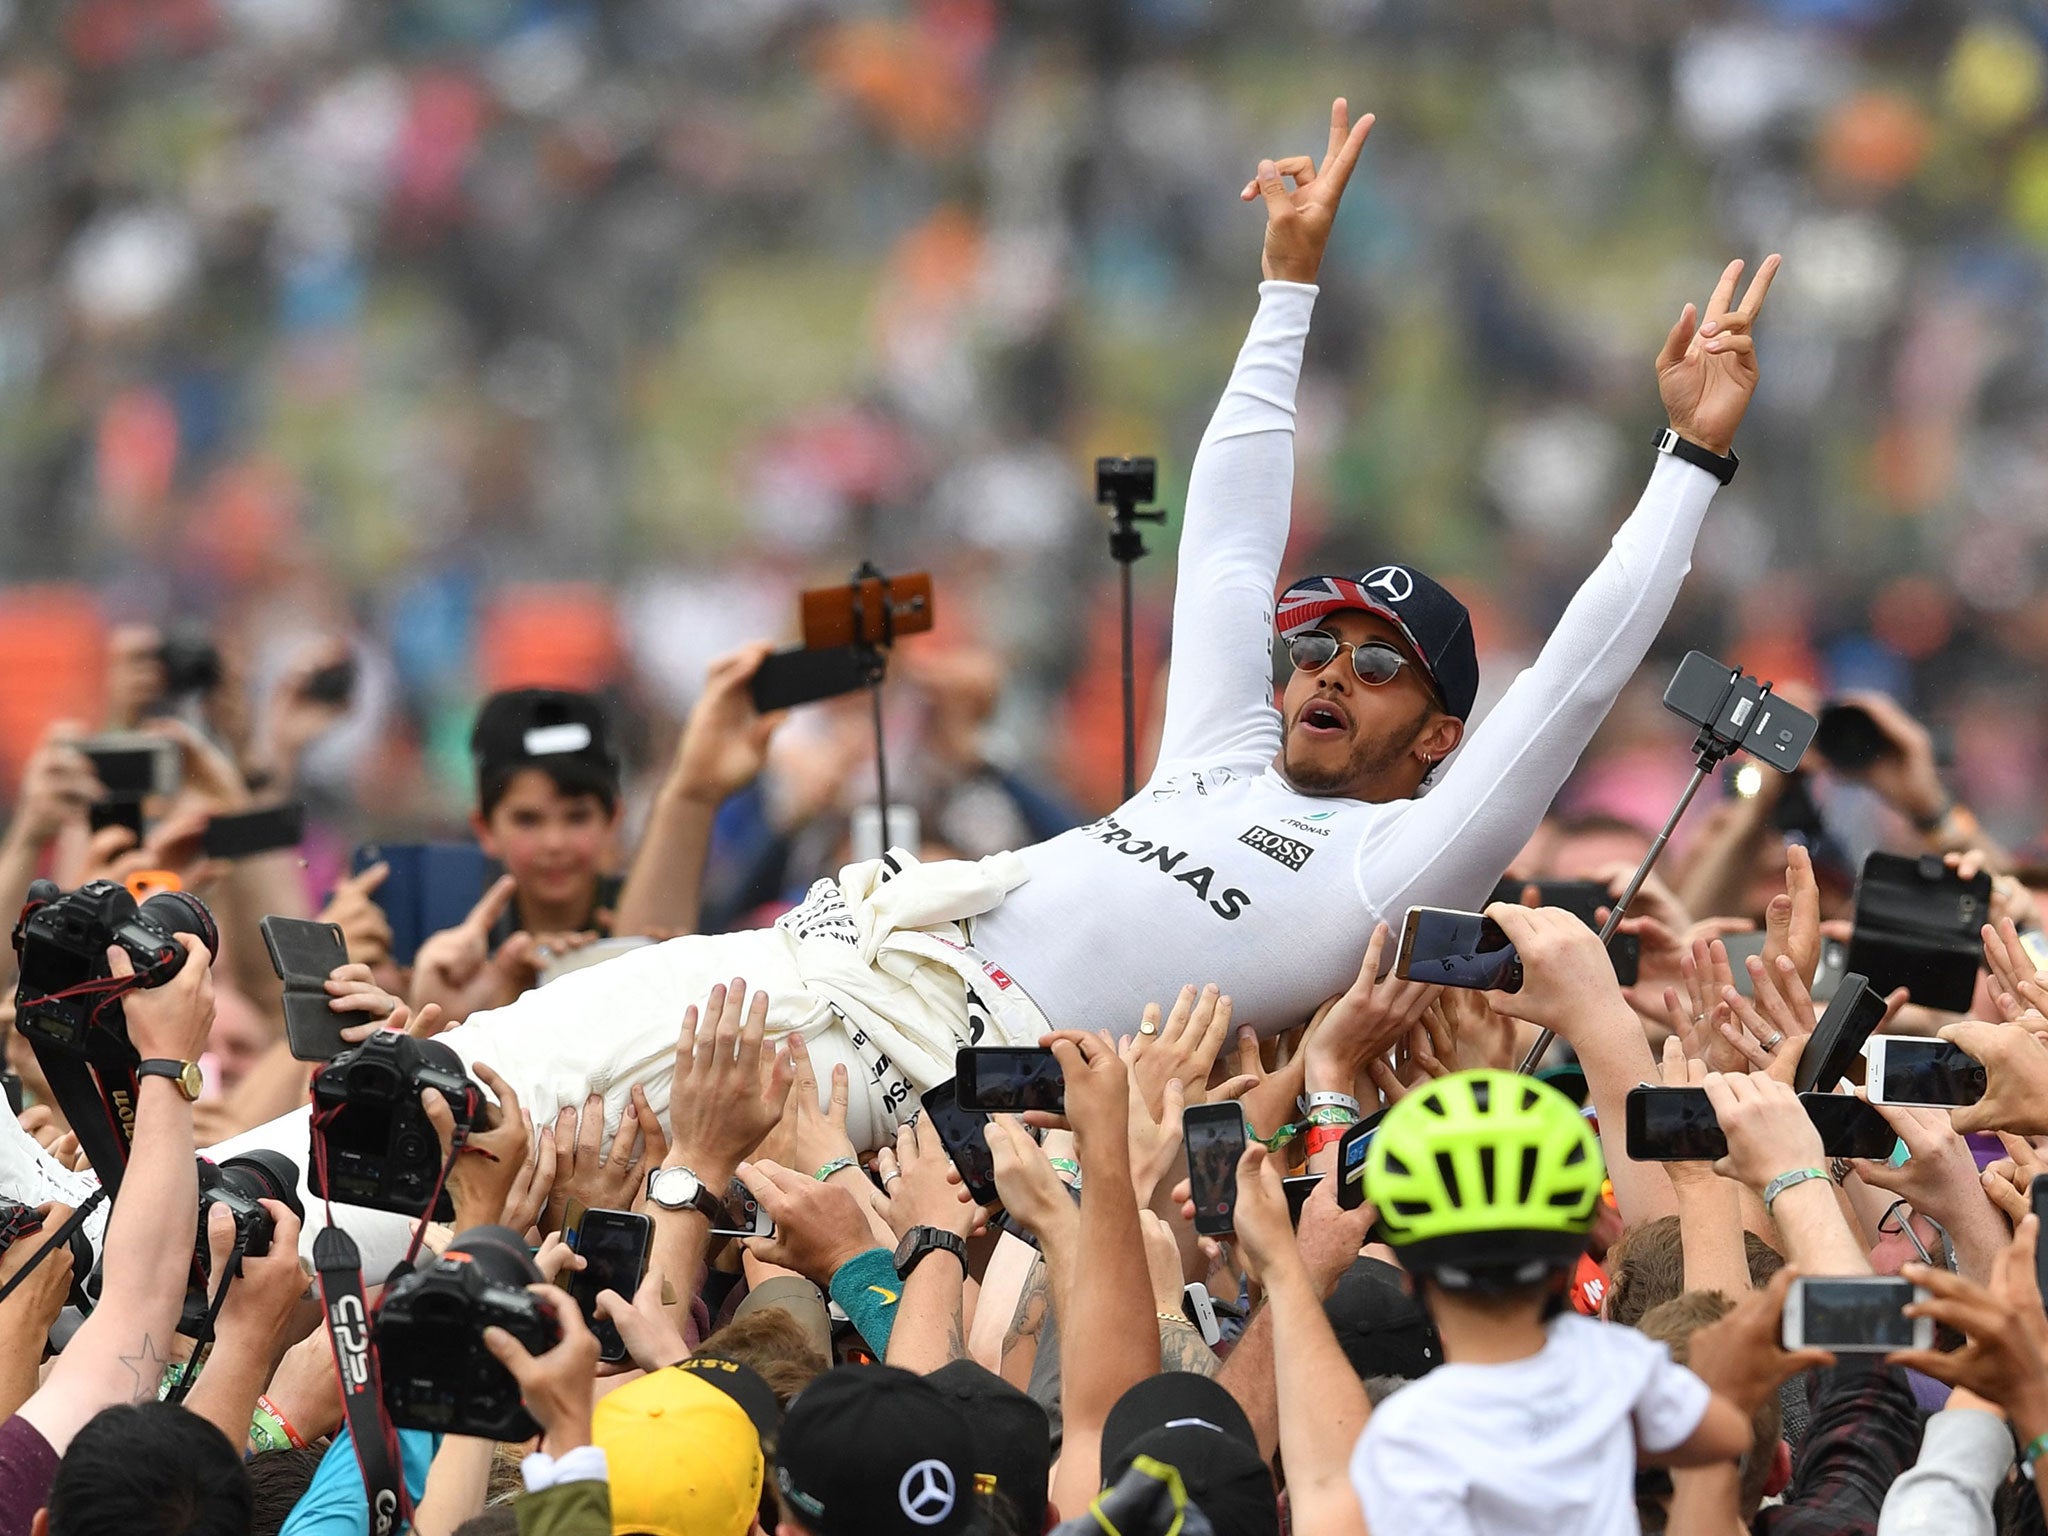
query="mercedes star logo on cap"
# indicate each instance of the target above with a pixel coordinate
(926, 1492)
(1398, 584)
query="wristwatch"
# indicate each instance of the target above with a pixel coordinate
(920, 1241)
(1721, 466)
(679, 1189)
(185, 1074)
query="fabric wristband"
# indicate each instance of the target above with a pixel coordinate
(1788, 1180)
(1069, 1167)
(270, 1430)
(837, 1165)
(2030, 1455)
(867, 1289)
(1279, 1138)
(1332, 1114)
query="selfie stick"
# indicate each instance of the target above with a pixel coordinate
(1121, 484)
(1709, 750)
(873, 665)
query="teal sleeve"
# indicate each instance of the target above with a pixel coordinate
(867, 1289)
(334, 1503)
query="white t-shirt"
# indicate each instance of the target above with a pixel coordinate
(1530, 1448)
(1218, 870)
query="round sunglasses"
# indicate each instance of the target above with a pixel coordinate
(1375, 662)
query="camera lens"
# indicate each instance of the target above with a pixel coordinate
(499, 1255)
(265, 1175)
(182, 912)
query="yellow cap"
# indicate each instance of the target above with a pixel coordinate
(685, 1459)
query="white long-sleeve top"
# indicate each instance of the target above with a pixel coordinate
(1964, 1457)
(1218, 869)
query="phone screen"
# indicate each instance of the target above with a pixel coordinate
(1862, 1314)
(743, 1214)
(1849, 1127)
(252, 832)
(1929, 1072)
(1010, 1079)
(613, 1245)
(2037, 1196)
(964, 1133)
(1215, 1139)
(1298, 1191)
(1351, 1153)
(1458, 949)
(1673, 1125)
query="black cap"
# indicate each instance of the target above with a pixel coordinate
(870, 1450)
(1383, 1330)
(546, 727)
(1437, 627)
(1012, 1438)
(745, 1386)
(1194, 1425)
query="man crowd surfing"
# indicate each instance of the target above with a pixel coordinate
(843, 1316)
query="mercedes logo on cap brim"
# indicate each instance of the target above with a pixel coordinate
(926, 1492)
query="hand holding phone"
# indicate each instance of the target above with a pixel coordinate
(1854, 1315)
(1931, 1074)
(304, 954)
(964, 1134)
(1457, 949)
(613, 1245)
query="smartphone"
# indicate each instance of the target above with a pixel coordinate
(1298, 1189)
(249, 833)
(1457, 949)
(1008, 1080)
(1735, 709)
(1351, 1150)
(1740, 947)
(789, 678)
(1201, 1311)
(1917, 926)
(613, 1246)
(2037, 1197)
(869, 610)
(335, 684)
(1849, 1127)
(304, 954)
(431, 886)
(1672, 1125)
(1852, 1014)
(102, 814)
(1913, 1070)
(1849, 741)
(744, 1215)
(133, 764)
(1855, 1315)
(1215, 1138)
(964, 1134)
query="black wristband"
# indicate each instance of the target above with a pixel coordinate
(1721, 466)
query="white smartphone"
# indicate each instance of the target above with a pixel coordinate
(1201, 1311)
(1855, 1315)
(1914, 1070)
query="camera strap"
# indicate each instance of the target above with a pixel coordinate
(346, 1317)
(54, 1241)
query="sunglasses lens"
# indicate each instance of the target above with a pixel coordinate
(1376, 664)
(1313, 651)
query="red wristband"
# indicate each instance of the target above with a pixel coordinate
(1322, 1136)
(263, 1402)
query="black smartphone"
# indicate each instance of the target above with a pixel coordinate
(1852, 1015)
(335, 684)
(1673, 1125)
(1917, 926)
(1457, 949)
(1007, 1079)
(789, 678)
(1583, 899)
(1849, 740)
(2037, 1197)
(10, 1082)
(1734, 708)
(1298, 1190)
(1849, 1127)
(613, 1246)
(304, 954)
(964, 1134)
(1351, 1150)
(102, 814)
(249, 833)
(132, 764)
(1215, 1138)
(431, 886)
(744, 1215)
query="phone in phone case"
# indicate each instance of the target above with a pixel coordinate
(1215, 1139)
(1457, 949)
(1855, 1315)
(1008, 1080)
(1849, 1127)
(1918, 925)
(1351, 1151)
(613, 1246)
(964, 1134)
(1916, 1071)
(744, 1214)
(1672, 1125)
(1852, 1015)
(243, 836)
(1298, 1189)
(789, 678)
(304, 954)
(430, 887)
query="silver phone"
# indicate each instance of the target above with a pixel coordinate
(1855, 1315)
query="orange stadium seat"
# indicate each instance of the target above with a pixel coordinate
(52, 666)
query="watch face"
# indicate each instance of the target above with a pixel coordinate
(673, 1187)
(191, 1080)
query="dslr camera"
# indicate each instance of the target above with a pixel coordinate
(240, 1184)
(62, 941)
(380, 1148)
(429, 1335)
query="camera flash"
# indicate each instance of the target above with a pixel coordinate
(1749, 778)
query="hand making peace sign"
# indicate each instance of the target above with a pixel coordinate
(1298, 220)
(1707, 370)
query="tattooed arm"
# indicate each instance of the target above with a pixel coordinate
(930, 1330)
(1182, 1348)
(1027, 1326)
(120, 1352)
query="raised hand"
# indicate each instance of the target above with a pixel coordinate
(1707, 370)
(928, 1192)
(559, 1386)
(481, 1180)
(353, 908)
(1184, 1044)
(2004, 1357)
(725, 743)
(1366, 1022)
(603, 1178)
(57, 787)
(2015, 1078)
(818, 1227)
(1298, 219)
(1792, 921)
(721, 1101)
(450, 965)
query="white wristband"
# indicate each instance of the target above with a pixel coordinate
(1324, 1098)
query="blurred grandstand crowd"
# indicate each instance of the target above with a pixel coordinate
(563, 341)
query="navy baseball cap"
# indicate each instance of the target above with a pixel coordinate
(1437, 627)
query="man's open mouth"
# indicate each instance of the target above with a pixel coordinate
(1323, 718)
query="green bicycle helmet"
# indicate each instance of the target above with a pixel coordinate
(1485, 1180)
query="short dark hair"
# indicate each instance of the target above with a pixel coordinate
(277, 1481)
(150, 1469)
(570, 775)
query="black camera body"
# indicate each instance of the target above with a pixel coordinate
(17, 1221)
(380, 1148)
(429, 1335)
(240, 1185)
(62, 940)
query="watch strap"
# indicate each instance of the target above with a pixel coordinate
(1721, 466)
(920, 1243)
(170, 1067)
(703, 1202)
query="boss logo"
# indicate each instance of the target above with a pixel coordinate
(1283, 850)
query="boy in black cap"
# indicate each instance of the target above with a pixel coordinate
(869, 1450)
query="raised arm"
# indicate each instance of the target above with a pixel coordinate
(1454, 843)
(1219, 693)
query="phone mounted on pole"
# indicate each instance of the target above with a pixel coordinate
(1121, 485)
